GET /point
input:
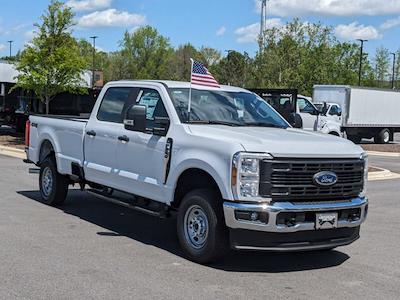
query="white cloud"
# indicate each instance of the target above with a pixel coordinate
(391, 23)
(111, 18)
(355, 30)
(250, 33)
(221, 31)
(85, 5)
(2, 47)
(284, 8)
(29, 35)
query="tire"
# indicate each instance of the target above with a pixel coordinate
(383, 137)
(354, 138)
(334, 133)
(53, 186)
(200, 217)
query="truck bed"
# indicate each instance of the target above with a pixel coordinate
(66, 134)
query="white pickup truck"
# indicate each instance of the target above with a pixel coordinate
(233, 171)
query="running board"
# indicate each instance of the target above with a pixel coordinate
(162, 213)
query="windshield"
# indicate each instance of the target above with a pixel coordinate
(226, 108)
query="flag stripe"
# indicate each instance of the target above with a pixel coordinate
(205, 81)
(206, 84)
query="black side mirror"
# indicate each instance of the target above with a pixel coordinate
(161, 126)
(135, 118)
(295, 120)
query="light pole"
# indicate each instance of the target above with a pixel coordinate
(94, 57)
(394, 63)
(10, 42)
(361, 57)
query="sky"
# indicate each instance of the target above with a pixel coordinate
(221, 24)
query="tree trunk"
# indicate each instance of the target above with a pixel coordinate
(47, 105)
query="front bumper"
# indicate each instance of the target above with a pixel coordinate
(274, 229)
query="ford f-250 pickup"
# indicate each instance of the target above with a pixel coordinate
(233, 171)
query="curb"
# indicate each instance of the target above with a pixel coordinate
(387, 154)
(383, 174)
(13, 152)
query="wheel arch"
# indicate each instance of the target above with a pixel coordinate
(190, 179)
(46, 148)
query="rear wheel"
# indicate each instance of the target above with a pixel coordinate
(383, 137)
(53, 185)
(200, 226)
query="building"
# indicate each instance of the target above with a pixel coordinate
(15, 105)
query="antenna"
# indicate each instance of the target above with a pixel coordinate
(263, 22)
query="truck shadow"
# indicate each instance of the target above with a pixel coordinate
(120, 221)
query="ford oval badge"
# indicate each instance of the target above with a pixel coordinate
(325, 178)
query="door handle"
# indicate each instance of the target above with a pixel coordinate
(91, 133)
(123, 138)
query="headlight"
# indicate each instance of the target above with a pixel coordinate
(246, 175)
(364, 157)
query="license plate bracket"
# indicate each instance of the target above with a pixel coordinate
(327, 220)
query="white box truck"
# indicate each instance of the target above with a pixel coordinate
(366, 112)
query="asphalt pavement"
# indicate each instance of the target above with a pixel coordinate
(90, 249)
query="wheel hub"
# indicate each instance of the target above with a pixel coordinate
(47, 181)
(196, 226)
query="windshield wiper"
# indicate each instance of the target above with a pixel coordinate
(263, 124)
(212, 122)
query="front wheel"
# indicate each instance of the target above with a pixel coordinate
(53, 185)
(201, 228)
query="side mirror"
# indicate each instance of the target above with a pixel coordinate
(135, 118)
(162, 125)
(295, 120)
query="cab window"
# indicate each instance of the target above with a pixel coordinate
(114, 104)
(305, 106)
(154, 106)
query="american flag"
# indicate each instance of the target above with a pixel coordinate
(201, 76)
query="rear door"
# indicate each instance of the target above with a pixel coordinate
(141, 157)
(101, 136)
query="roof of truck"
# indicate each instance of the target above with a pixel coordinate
(185, 84)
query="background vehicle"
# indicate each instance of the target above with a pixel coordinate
(288, 103)
(366, 112)
(233, 169)
(330, 120)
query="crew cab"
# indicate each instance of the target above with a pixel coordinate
(223, 161)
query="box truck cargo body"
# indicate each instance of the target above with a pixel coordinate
(366, 112)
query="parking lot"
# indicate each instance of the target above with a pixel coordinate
(92, 249)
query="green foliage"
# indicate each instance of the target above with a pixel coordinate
(146, 54)
(381, 62)
(51, 64)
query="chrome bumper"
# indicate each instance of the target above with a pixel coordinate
(278, 207)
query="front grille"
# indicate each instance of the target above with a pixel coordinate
(292, 179)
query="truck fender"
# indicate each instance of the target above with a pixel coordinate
(203, 166)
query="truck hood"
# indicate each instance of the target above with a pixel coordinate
(281, 142)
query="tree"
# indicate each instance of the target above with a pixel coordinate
(381, 66)
(147, 54)
(233, 69)
(51, 64)
(210, 56)
(180, 65)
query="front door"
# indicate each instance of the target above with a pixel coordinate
(101, 136)
(308, 113)
(141, 156)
